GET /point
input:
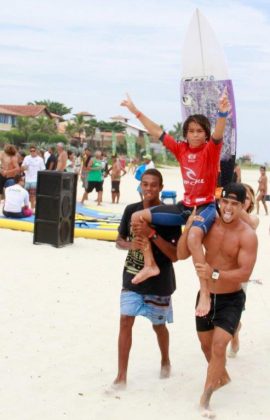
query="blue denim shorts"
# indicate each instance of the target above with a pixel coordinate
(158, 309)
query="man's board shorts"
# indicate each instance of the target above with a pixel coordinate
(31, 187)
(5, 182)
(158, 309)
(115, 186)
(225, 312)
(97, 185)
(177, 214)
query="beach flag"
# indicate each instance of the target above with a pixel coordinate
(146, 144)
(131, 145)
(114, 141)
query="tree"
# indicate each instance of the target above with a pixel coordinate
(177, 131)
(24, 125)
(44, 125)
(54, 107)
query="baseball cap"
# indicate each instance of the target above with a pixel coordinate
(147, 156)
(235, 191)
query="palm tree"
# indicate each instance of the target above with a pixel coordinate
(25, 126)
(44, 125)
(177, 131)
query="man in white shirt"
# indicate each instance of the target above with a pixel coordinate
(16, 199)
(31, 165)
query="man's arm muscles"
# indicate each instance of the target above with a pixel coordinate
(246, 260)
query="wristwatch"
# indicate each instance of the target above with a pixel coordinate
(215, 274)
(154, 236)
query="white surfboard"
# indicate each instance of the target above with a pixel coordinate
(204, 78)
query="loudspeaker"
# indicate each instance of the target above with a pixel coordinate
(55, 208)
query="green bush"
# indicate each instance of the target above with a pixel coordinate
(37, 138)
(16, 137)
(57, 138)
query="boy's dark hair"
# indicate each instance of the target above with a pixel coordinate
(198, 119)
(263, 167)
(18, 177)
(153, 172)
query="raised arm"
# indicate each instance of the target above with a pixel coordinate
(154, 129)
(223, 110)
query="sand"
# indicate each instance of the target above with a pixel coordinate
(59, 311)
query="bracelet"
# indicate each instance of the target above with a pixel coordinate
(152, 233)
(138, 114)
(223, 114)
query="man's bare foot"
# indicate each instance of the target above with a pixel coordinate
(206, 412)
(119, 384)
(165, 371)
(204, 304)
(204, 404)
(145, 273)
(224, 380)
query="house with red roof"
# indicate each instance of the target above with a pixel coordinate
(9, 114)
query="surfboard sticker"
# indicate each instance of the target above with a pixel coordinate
(200, 96)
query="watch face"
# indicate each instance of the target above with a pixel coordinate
(154, 236)
(215, 275)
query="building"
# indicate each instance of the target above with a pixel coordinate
(10, 113)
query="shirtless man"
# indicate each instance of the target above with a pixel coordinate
(9, 167)
(230, 255)
(116, 172)
(262, 190)
(62, 157)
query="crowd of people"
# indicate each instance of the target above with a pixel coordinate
(92, 167)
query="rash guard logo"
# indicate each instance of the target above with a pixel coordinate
(191, 177)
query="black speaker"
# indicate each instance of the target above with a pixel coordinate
(55, 208)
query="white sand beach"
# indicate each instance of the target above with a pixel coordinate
(59, 311)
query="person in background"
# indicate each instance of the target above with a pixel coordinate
(78, 163)
(70, 167)
(51, 162)
(17, 200)
(61, 157)
(87, 156)
(9, 167)
(262, 190)
(31, 165)
(236, 173)
(116, 171)
(95, 178)
(253, 221)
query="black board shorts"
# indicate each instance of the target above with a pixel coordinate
(225, 312)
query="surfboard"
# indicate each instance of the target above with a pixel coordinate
(90, 223)
(204, 78)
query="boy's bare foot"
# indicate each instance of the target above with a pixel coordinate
(165, 371)
(145, 273)
(204, 304)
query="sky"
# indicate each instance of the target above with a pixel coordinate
(88, 53)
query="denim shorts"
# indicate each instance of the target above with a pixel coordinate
(31, 186)
(158, 309)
